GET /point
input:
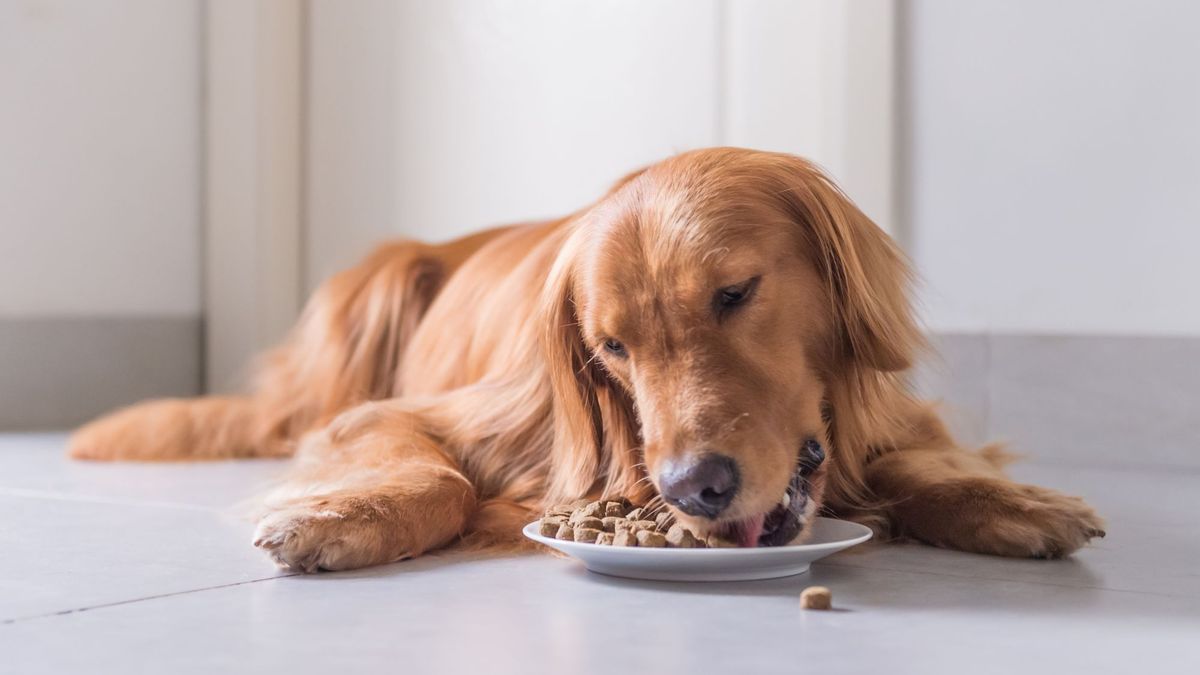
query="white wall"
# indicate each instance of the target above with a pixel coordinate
(99, 172)
(432, 119)
(1054, 164)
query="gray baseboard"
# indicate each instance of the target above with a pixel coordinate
(56, 373)
(1117, 401)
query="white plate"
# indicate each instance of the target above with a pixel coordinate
(712, 564)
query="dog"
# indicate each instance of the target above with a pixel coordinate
(724, 334)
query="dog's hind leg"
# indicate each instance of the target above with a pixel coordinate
(373, 487)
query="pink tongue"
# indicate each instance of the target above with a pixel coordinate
(749, 531)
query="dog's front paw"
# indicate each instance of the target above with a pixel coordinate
(1040, 523)
(996, 516)
(315, 534)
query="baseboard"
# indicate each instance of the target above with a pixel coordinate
(56, 373)
(1120, 401)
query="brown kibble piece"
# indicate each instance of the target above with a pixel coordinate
(610, 523)
(592, 510)
(645, 525)
(664, 521)
(586, 535)
(816, 597)
(714, 541)
(680, 537)
(565, 531)
(550, 524)
(624, 537)
(651, 539)
(635, 514)
(614, 510)
(605, 539)
(590, 523)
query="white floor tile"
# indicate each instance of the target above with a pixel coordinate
(64, 555)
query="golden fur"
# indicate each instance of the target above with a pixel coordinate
(439, 393)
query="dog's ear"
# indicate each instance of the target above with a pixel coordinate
(868, 275)
(595, 433)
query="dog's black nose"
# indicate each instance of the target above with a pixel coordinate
(701, 486)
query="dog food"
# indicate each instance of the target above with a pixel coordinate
(816, 597)
(616, 522)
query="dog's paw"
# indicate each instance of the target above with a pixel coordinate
(1040, 523)
(1009, 519)
(316, 535)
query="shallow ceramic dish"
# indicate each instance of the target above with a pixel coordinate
(712, 564)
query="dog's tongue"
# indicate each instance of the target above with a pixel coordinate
(749, 530)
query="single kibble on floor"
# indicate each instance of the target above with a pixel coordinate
(605, 539)
(610, 523)
(635, 514)
(816, 597)
(550, 524)
(565, 531)
(587, 535)
(624, 537)
(680, 537)
(650, 539)
(590, 523)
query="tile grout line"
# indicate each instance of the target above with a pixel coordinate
(1002, 580)
(118, 603)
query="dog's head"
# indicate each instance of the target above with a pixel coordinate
(697, 319)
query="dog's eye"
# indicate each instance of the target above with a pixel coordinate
(614, 347)
(731, 296)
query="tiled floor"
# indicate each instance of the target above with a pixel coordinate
(144, 568)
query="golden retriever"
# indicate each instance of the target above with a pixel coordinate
(723, 333)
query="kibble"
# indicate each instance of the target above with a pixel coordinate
(615, 522)
(680, 537)
(716, 542)
(550, 525)
(590, 523)
(651, 539)
(816, 597)
(665, 520)
(624, 537)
